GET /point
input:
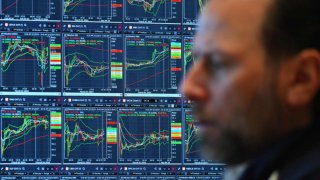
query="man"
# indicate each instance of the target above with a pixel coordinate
(256, 84)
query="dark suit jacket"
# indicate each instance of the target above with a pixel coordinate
(296, 157)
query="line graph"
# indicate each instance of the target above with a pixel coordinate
(152, 10)
(146, 136)
(192, 136)
(26, 7)
(30, 62)
(90, 64)
(157, 68)
(28, 54)
(192, 9)
(30, 9)
(25, 134)
(152, 7)
(92, 10)
(85, 133)
(91, 68)
(188, 56)
(192, 139)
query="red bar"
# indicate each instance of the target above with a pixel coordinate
(58, 125)
(176, 138)
(112, 143)
(56, 135)
(112, 123)
(176, 126)
(116, 50)
(55, 60)
(176, 69)
(55, 48)
(116, 5)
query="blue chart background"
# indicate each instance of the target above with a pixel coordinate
(135, 127)
(26, 7)
(34, 144)
(92, 8)
(25, 70)
(160, 11)
(30, 9)
(94, 56)
(154, 76)
(188, 58)
(192, 10)
(194, 146)
(94, 126)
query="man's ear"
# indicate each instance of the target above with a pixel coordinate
(304, 80)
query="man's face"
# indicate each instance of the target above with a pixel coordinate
(232, 84)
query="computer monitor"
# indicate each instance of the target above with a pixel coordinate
(89, 90)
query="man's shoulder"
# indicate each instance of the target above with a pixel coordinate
(296, 157)
(301, 159)
(304, 164)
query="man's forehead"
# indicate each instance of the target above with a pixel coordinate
(231, 21)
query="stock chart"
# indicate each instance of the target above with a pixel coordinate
(30, 62)
(192, 10)
(156, 11)
(30, 9)
(192, 139)
(89, 89)
(30, 135)
(92, 10)
(93, 64)
(90, 135)
(158, 66)
(188, 59)
(149, 136)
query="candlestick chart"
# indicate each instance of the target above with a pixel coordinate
(25, 61)
(192, 139)
(146, 136)
(188, 59)
(85, 133)
(30, 9)
(157, 68)
(92, 10)
(90, 64)
(27, 133)
(153, 10)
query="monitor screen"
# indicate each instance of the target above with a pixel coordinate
(89, 90)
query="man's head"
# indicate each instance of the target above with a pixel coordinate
(256, 76)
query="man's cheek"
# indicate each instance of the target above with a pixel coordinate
(225, 98)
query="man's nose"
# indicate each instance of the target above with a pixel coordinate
(196, 83)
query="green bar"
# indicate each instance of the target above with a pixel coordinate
(55, 127)
(176, 124)
(116, 63)
(55, 67)
(176, 142)
(55, 45)
(175, 45)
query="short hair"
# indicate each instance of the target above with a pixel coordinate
(290, 27)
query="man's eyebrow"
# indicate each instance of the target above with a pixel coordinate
(196, 53)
